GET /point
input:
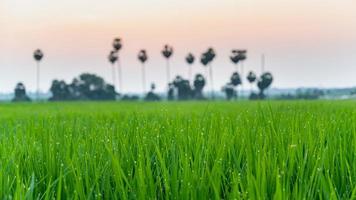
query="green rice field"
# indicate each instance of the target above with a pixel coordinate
(178, 150)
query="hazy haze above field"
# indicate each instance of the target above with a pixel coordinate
(306, 42)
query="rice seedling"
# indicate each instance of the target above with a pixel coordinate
(172, 150)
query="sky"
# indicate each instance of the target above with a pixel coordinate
(307, 43)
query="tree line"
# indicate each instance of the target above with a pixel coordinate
(92, 87)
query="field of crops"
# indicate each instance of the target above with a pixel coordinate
(188, 150)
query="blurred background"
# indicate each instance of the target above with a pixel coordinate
(307, 43)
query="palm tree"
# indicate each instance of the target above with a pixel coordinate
(117, 44)
(238, 56)
(112, 59)
(142, 56)
(167, 52)
(242, 57)
(199, 83)
(263, 83)
(229, 90)
(206, 59)
(235, 59)
(235, 80)
(251, 77)
(190, 60)
(38, 55)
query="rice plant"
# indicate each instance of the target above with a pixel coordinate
(173, 150)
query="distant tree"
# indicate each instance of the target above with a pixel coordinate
(309, 94)
(94, 87)
(242, 57)
(170, 95)
(235, 59)
(263, 83)
(75, 89)
(130, 98)
(142, 56)
(87, 87)
(235, 81)
(151, 95)
(113, 57)
(254, 96)
(38, 55)
(184, 91)
(230, 91)
(251, 77)
(60, 91)
(117, 45)
(167, 52)
(238, 56)
(206, 60)
(190, 60)
(20, 93)
(199, 84)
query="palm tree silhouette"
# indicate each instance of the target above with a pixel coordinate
(38, 55)
(238, 56)
(263, 83)
(142, 56)
(112, 59)
(206, 60)
(190, 60)
(167, 52)
(251, 77)
(235, 59)
(117, 44)
(235, 81)
(242, 57)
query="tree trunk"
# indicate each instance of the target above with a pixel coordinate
(120, 75)
(242, 79)
(211, 82)
(190, 73)
(38, 82)
(168, 71)
(113, 73)
(143, 79)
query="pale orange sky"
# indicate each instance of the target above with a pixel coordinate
(306, 42)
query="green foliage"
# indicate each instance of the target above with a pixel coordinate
(20, 93)
(87, 87)
(172, 150)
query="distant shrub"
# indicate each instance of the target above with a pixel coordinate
(20, 93)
